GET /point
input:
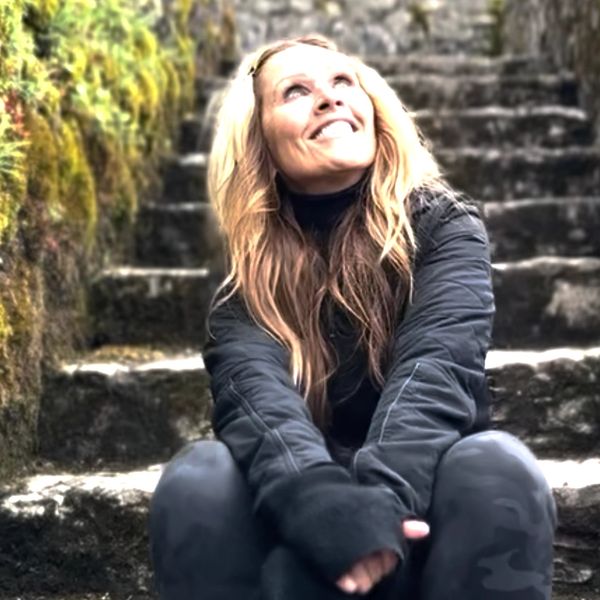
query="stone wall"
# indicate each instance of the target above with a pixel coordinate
(371, 26)
(567, 32)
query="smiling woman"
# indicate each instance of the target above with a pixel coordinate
(318, 125)
(346, 354)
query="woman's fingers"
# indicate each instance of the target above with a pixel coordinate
(368, 572)
(390, 560)
(362, 575)
(414, 529)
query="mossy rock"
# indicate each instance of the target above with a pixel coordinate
(77, 185)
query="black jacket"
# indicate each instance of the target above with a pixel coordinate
(435, 393)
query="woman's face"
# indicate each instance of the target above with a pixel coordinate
(317, 120)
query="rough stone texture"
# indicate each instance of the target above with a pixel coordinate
(543, 227)
(554, 405)
(500, 127)
(492, 174)
(568, 32)
(184, 179)
(67, 536)
(179, 235)
(140, 306)
(419, 91)
(547, 302)
(124, 414)
(459, 64)
(385, 26)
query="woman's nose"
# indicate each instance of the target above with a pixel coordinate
(327, 100)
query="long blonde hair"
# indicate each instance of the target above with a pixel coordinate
(283, 279)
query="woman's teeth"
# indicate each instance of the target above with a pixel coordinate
(336, 129)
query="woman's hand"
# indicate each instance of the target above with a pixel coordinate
(368, 571)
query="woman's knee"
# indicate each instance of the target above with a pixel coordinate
(496, 468)
(202, 476)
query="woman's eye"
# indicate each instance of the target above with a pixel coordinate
(293, 91)
(344, 80)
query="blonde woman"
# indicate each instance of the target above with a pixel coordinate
(346, 355)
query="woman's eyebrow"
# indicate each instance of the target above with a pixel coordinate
(294, 76)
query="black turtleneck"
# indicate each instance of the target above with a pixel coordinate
(319, 213)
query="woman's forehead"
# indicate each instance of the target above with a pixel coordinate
(302, 60)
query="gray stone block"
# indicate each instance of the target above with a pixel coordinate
(500, 174)
(151, 306)
(545, 302)
(104, 413)
(543, 227)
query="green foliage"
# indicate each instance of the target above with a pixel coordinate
(100, 65)
(419, 15)
(497, 10)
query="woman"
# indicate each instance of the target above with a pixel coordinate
(346, 355)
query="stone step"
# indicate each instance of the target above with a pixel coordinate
(419, 91)
(87, 534)
(186, 235)
(540, 302)
(550, 399)
(422, 90)
(459, 64)
(498, 126)
(124, 406)
(543, 227)
(135, 305)
(501, 127)
(483, 173)
(184, 178)
(547, 301)
(132, 406)
(498, 174)
(178, 235)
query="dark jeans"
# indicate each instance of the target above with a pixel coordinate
(492, 519)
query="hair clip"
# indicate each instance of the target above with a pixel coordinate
(252, 71)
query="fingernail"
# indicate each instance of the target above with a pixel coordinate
(349, 585)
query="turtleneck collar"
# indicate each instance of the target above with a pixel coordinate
(320, 212)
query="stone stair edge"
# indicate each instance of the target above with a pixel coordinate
(187, 358)
(570, 474)
(121, 272)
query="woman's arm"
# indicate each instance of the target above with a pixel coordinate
(310, 500)
(436, 381)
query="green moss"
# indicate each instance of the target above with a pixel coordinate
(5, 331)
(77, 185)
(497, 10)
(42, 163)
(41, 12)
(419, 15)
(150, 94)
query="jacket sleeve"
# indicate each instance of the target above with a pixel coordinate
(310, 501)
(436, 379)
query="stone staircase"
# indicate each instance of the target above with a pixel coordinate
(507, 131)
